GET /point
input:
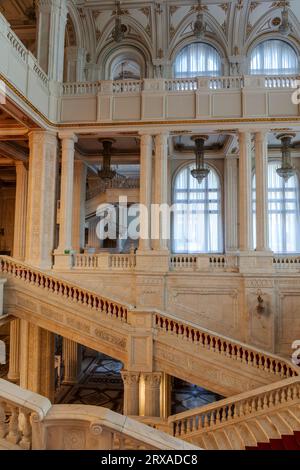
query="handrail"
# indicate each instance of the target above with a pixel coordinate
(64, 288)
(239, 407)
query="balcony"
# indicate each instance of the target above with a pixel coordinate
(148, 100)
(245, 97)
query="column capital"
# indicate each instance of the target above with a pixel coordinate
(153, 379)
(68, 135)
(130, 378)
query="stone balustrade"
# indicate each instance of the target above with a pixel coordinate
(20, 68)
(19, 409)
(235, 350)
(64, 289)
(240, 408)
(27, 421)
(178, 262)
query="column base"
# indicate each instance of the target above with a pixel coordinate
(153, 261)
(255, 262)
(62, 261)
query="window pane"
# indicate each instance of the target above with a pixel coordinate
(197, 59)
(283, 210)
(274, 57)
(197, 224)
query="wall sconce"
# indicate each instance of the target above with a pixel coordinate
(260, 308)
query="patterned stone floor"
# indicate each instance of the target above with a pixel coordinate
(101, 385)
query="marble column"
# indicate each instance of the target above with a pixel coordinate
(14, 351)
(245, 192)
(152, 383)
(51, 27)
(75, 64)
(231, 201)
(63, 251)
(41, 206)
(79, 197)
(161, 189)
(131, 382)
(20, 211)
(71, 361)
(145, 192)
(37, 360)
(261, 172)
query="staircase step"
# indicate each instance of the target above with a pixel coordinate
(282, 423)
(247, 435)
(269, 427)
(222, 440)
(258, 431)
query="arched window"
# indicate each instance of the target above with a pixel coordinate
(283, 211)
(197, 59)
(274, 57)
(197, 216)
(126, 69)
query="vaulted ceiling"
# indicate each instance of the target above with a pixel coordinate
(159, 28)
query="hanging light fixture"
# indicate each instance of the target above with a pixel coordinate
(287, 170)
(119, 29)
(285, 27)
(199, 27)
(106, 174)
(30, 12)
(200, 172)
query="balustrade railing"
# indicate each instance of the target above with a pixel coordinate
(282, 81)
(178, 262)
(222, 83)
(116, 183)
(127, 86)
(237, 351)
(177, 84)
(203, 262)
(64, 289)
(17, 45)
(122, 261)
(81, 88)
(286, 262)
(17, 414)
(105, 261)
(181, 84)
(240, 407)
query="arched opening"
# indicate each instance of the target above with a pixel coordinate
(274, 57)
(197, 59)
